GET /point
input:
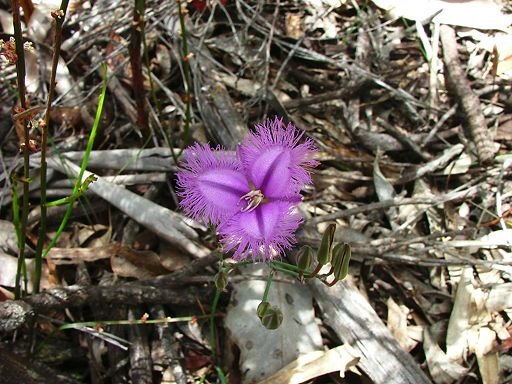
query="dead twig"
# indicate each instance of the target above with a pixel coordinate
(140, 353)
(439, 162)
(402, 137)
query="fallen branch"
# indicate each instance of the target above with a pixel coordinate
(355, 322)
(179, 288)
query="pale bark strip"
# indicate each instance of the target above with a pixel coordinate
(160, 220)
(468, 100)
(355, 322)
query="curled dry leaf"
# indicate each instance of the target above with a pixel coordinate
(397, 324)
(487, 358)
(441, 368)
(469, 328)
(65, 256)
(482, 14)
(142, 265)
(315, 364)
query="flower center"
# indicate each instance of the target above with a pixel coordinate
(253, 198)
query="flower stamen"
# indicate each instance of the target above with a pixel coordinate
(253, 199)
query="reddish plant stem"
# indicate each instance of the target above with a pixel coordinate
(136, 66)
(59, 21)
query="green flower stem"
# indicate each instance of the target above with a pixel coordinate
(290, 269)
(215, 303)
(221, 377)
(213, 338)
(267, 286)
(20, 69)
(55, 203)
(285, 271)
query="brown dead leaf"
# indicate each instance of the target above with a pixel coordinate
(5, 294)
(92, 236)
(293, 25)
(172, 258)
(65, 117)
(321, 18)
(459, 326)
(504, 131)
(66, 256)
(6, 22)
(498, 44)
(469, 329)
(139, 264)
(397, 324)
(8, 240)
(499, 297)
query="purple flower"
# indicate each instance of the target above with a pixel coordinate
(251, 195)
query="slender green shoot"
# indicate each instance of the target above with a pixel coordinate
(215, 303)
(24, 143)
(16, 220)
(268, 285)
(221, 375)
(80, 187)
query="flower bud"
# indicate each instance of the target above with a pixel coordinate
(341, 254)
(263, 307)
(305, 258)
(324, 252)
(272, 319)
(221, 280)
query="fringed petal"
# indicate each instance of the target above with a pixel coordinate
(210, 184)
(275, 161)
(263, 233)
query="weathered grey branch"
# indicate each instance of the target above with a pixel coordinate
(355, 322)
(178, 288)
